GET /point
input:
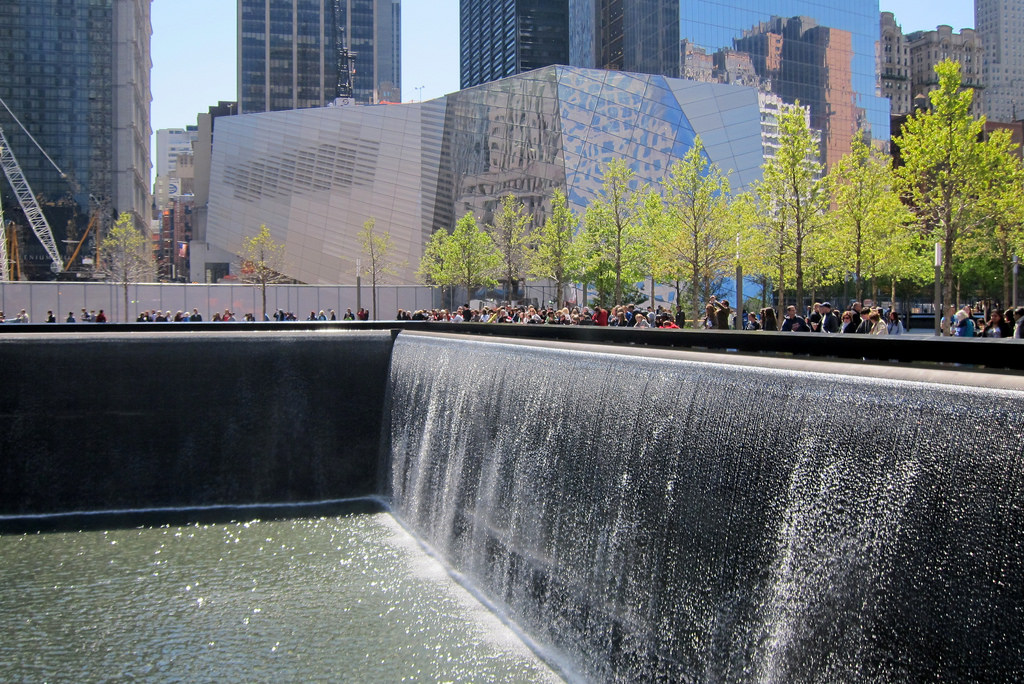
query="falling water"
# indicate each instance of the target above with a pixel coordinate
(677, 520)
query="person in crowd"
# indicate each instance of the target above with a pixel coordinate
(349, 316)
(334, 316)
(50, 318)
(680, 317)
(768, 320)
(814, 318)
(70, 318)
(793, 322)
(894, 326)
(878, 326)
(100, 317)
(855, 315)
(751, 323)
(828, 323)
(709, 315)
(22, 317)
(641, 321)
(1018, 326)
(600, 316)
(963, 324)
(848, 325)
(996, 326)
(195, 317)
(722, 314)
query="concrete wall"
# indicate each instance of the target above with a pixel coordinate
(116, 421)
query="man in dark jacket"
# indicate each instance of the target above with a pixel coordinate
(829, 323)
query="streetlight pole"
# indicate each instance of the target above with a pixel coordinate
(739, 287)
(938, 288)
(1016, 266)
(359, 284)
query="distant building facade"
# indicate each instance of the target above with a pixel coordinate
(928, 48)
(313, 177)
(894, 65)
(1000, 27)
(499, 38)
(290, 54)
(173, 149)
(77, 75)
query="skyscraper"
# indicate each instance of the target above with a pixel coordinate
(291, 55)
(76, 74)
(820, 55)
(1000, 25)
(500, 38)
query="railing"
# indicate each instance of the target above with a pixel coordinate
(998, 355)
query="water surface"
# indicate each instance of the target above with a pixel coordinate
(350, 598)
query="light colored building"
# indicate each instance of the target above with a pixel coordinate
(894, 66)
(928, 48)
(314, 176)
(1000, 27)
(173, 146)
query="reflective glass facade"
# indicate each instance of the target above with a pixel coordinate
(500, 38)
(314, 176)
(822, 54)
(289, 52)
(77, 76)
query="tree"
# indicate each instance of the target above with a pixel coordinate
(867, 210)
(613, 233)
(792, 188)
(262, 262)
(554, 253)
(509, 233)
(946, 165)
(466, 256)
(698, 243)
(125, 256)
(379, 265)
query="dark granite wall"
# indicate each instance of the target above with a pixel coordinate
(140, 420)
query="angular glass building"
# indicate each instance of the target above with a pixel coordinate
(290, 53)
(314, 176)
(820, 54)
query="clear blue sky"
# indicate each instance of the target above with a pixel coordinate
(194, 49)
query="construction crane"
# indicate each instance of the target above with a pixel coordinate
(26, 198)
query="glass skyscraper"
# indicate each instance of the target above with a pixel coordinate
(290, 52)
(500, 38)
(820, 54)
(76, 73)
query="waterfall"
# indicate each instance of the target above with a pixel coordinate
(659, 519)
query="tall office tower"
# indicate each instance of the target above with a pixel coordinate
(500, 38)
(1000, 25)
(802, 50)
(171, 144)
(294, 54)
(76, 74)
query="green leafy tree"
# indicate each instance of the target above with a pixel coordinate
(947, 167)
(613, 232)
(465, 257)
(379, 266)
(554, 253)
(792, 191)
(509, 231)
(125, 256)
(867, 211)
(699, 240)
(262, 262)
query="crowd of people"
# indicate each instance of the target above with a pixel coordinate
(820, 318)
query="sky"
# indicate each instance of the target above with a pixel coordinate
(193, 48)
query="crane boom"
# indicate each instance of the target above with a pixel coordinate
(28, 202)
